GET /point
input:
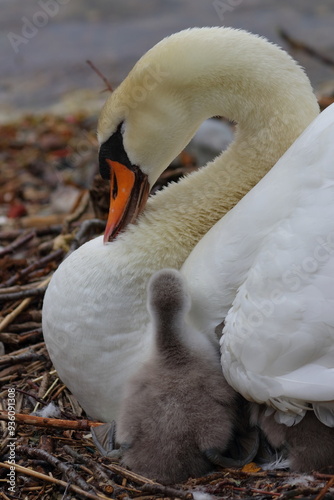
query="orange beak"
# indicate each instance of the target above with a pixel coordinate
(129, 190)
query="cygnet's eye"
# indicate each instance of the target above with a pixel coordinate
(113, 149)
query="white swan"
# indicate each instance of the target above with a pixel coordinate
(94, 315)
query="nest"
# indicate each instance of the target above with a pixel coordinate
(44, 457)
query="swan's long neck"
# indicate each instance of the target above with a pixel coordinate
(201, 73)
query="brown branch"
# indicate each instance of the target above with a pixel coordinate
(41, 231)
(11, 316)
(21, 240)
(324, 490)
(32, 267)
(23, 294)
(56, 423)
(166, 491)
(26, 393)
(21, 358)
(92, 464)
(132, 476)
(98, 72)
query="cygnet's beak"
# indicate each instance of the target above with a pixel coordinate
(129, 190)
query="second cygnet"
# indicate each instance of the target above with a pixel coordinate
(307, 446)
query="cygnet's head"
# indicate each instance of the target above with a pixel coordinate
(307, 446)
(178, 415)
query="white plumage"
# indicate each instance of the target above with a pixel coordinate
(272, 256)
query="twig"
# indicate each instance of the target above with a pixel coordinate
(33, 347)
(21, 240)
(98, 72)
(50, 479)
(166, 491)
(96, 468)
(80, 209)
(68, 470)
(56, 423)
(11, 316)
(324, 490)
(26, 393)
(137, 478)
(55, 382)
(32, 267)
(23, 294)
(21, 358)
(298, 45)
(40, 231)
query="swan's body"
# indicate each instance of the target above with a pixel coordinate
(273, 257)
(94, 317)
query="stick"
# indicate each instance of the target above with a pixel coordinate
(21, 358)
(23, 294)
(35, 265)
(57, 423)
(131, 475)
(324, 490)
(98, 72)
(42, 231)
(11, 316)
(166, 491)
(92, 464)
(21, 240)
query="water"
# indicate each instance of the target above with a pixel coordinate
(43, 50)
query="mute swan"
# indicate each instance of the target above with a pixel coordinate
(179, 415)
(94, 314)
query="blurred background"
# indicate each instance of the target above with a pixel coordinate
(44, 44)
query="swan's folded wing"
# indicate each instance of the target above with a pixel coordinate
(273, 257)
(278, 345)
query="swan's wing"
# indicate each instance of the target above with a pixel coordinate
(273, 257)
(278, 345)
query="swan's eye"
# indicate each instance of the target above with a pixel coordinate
(113, 149)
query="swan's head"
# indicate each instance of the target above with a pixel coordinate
(184, 79)
(152, 115)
